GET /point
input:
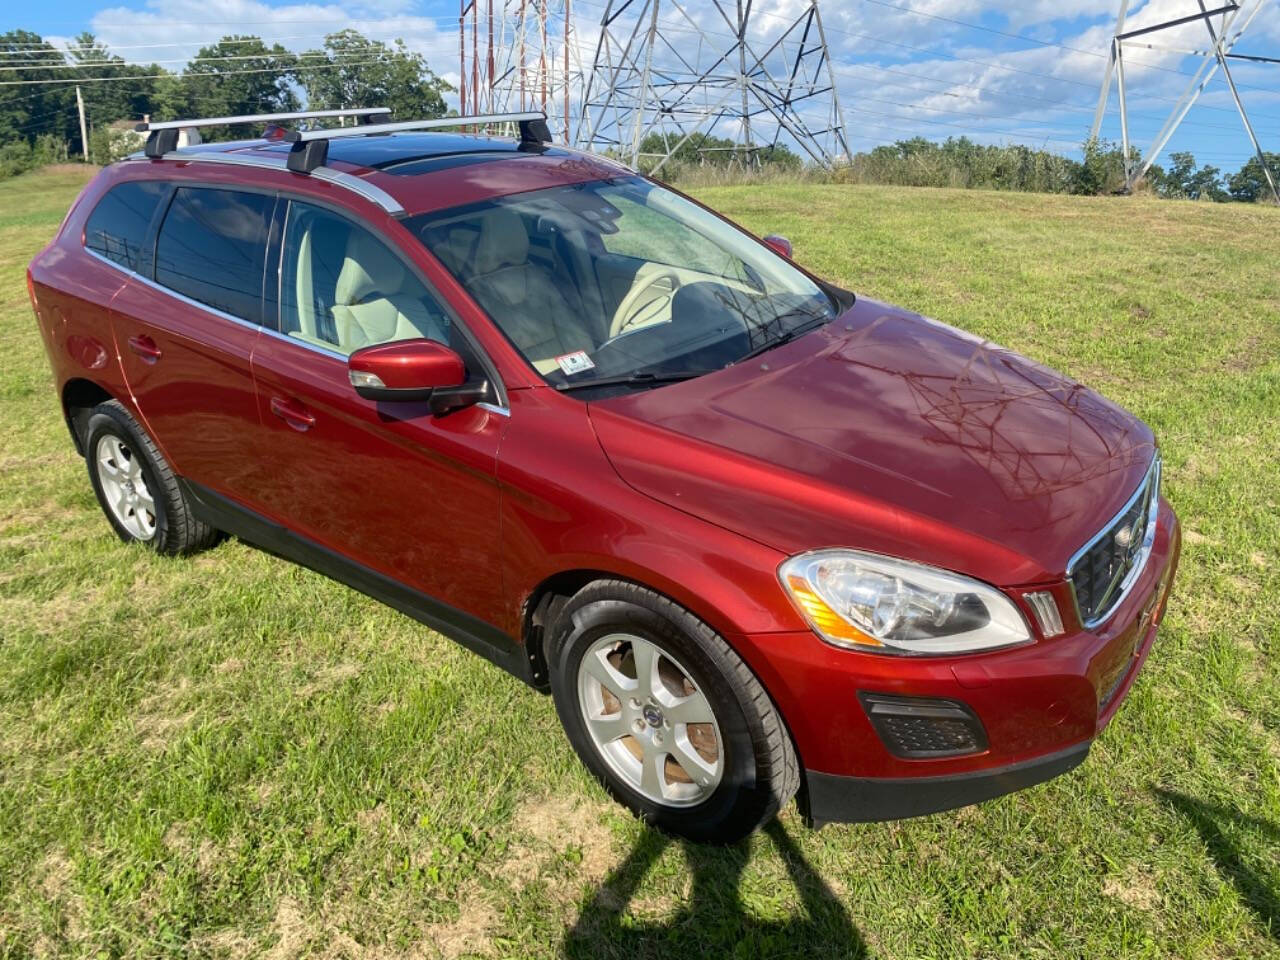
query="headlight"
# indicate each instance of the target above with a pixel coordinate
(868, 602)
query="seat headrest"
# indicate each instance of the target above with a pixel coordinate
(368, 268)
(503, 241)
(455, 251)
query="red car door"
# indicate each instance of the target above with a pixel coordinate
(387, 486)
(185, 328)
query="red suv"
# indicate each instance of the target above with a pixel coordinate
(756, 536)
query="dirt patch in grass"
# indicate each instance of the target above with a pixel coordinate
(1134, 889)
(57, 875)
(1198, 539)
(372, 819)
(555, 826)
(470, 934)
(159, 719)
(330, 677)
(562, 845)
(292, 933)
(186, 844)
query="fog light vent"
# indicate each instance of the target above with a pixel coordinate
(1046, 611)
(914, 727)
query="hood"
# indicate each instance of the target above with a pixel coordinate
(890, 432)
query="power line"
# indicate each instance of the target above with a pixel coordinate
(185, 76)
(287, 55)
(16, 49)
(450, 21)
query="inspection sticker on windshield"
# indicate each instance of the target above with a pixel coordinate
(576, 362)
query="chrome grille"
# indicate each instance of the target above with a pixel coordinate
(1104, 569)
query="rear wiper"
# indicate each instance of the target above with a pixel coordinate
(787, 335)
(632, 379)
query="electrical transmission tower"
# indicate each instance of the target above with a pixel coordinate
(1222, 39)
(710, 69)
(519, 55)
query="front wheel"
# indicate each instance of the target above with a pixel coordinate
(667, 716)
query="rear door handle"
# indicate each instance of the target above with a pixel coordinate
(145, 348)
(293, 413)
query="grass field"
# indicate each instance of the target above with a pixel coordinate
(230, 756)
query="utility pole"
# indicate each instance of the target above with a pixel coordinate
(84, 133)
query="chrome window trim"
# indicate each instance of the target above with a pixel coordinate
(1150, 479)
(272, 161)
(283, 337)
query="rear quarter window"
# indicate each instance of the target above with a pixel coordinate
(118, 225)
(212, 248)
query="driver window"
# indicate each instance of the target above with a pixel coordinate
(341, 288)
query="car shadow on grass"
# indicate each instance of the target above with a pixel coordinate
(714, 921)
(1221, 830)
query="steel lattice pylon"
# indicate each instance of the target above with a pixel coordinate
(519, 55)
(711, 71)
(1222, 39)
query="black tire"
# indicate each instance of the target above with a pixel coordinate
(760, 773)
(176, 529)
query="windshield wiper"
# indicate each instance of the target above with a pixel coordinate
(632, 379)
(786, 336)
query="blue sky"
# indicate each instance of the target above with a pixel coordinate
(999, 72)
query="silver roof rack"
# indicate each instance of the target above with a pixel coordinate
(311, 147)
(276, 161)
(163, 136)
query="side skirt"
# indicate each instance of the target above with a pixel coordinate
(473, 633)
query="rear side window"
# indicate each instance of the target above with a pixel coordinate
(212, 248)
(118, 224)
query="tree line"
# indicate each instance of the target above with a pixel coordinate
(239, 74)
(959, 162)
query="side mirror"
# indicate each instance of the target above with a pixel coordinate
(414, 370)
(780, 244)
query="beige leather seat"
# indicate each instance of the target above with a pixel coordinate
(376, 300)
(521, 296)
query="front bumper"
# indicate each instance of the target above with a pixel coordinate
(1040, 706)
(836, 799)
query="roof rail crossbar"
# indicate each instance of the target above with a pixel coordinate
(276, 161)
(311, 147)
(163, 136)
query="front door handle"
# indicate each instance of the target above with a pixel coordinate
(293, 413)
(145, 348)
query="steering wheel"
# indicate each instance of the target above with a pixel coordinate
(629, 310)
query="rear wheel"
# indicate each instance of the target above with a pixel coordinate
(135, 487)
(667, 716)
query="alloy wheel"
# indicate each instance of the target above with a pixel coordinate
(649, 720)
(124, 487)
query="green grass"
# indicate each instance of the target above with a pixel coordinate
(230, 756)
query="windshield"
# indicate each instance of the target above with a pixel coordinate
(621, 281)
